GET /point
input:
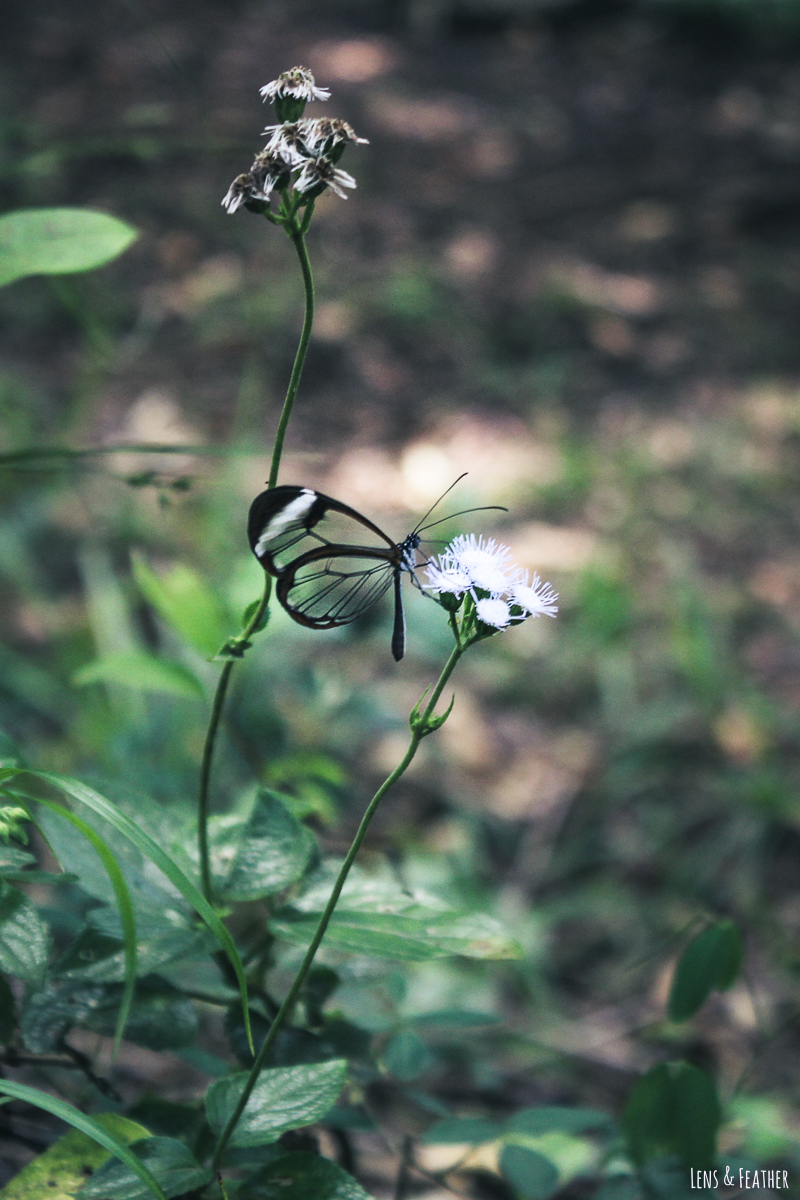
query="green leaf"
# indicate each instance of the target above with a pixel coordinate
(711, 961)
(53, 1010)
(97, 956)
(558, 1119)
(673, 1109)
(8, 1016)
(65, 1166)
(284, 1098)
(274, 851)
(304, 1176)
(58, 241)
(109, 1131)
(142, 671)
(454, 1131)
(24, 939)
(10, 755)
(620, 1187)
(160, 1019)
(529, 1172)
(186, 603)
(405, 1056)
(14, 859)
(456, 1018)
(375, 916)
(124, 825)
(171, 1163)
(124, 907)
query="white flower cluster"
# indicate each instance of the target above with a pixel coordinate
(502, 592)
(303, 147)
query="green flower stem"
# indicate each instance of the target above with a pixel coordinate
(297, 235)
(424, 724)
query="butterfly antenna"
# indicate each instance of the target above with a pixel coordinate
(463, 513)
(416, 529)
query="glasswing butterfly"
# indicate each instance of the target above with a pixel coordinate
(327, 577)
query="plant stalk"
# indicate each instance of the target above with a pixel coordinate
(297, 235)
(285, 1011)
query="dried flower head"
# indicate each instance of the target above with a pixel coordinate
(243, 188)
(320, 173)
(291, 91)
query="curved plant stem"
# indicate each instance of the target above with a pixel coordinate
(297, 235)
(283, 1014)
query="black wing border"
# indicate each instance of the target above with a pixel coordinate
(264, 507)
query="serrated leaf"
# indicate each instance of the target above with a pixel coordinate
(52, 1011)
(186, 603)
(124, 909)
(456, 1131)
(558, 1119)
(147, 846)
(58, 241)
(529, 1172)
(158, 1019)
(109, 1132)
(284, 1098)
(142, 671)
(274, 851)
(168, 1160)
(376, 917)
(673, 1109)
(304, 1176)
(24, 938)
(98, 956)
(415, 936)
(711, 961)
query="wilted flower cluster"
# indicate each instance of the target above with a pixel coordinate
(501, 592)
(301, 152)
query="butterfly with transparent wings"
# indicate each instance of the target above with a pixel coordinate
(312, 544)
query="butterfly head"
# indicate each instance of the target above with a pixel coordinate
(408, 552)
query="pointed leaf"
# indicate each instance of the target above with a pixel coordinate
(61, 1170)
(417, 934)
(453, 1131)
(104, 808)
(24, 939)
(304, 1176)
(284, 1098)
(170, 1161)
(143, 671)
(274, 851)
(57, 241)
(557, 1119)
(186, 603)
(405, 1056)
(124, 906)
(711, 961)
(529, 1172)
(101, 1130)
(673, 1109)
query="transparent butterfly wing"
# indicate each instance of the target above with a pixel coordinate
(286, 523)
(329, 587)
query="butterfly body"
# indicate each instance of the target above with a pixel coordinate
(325, 581)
